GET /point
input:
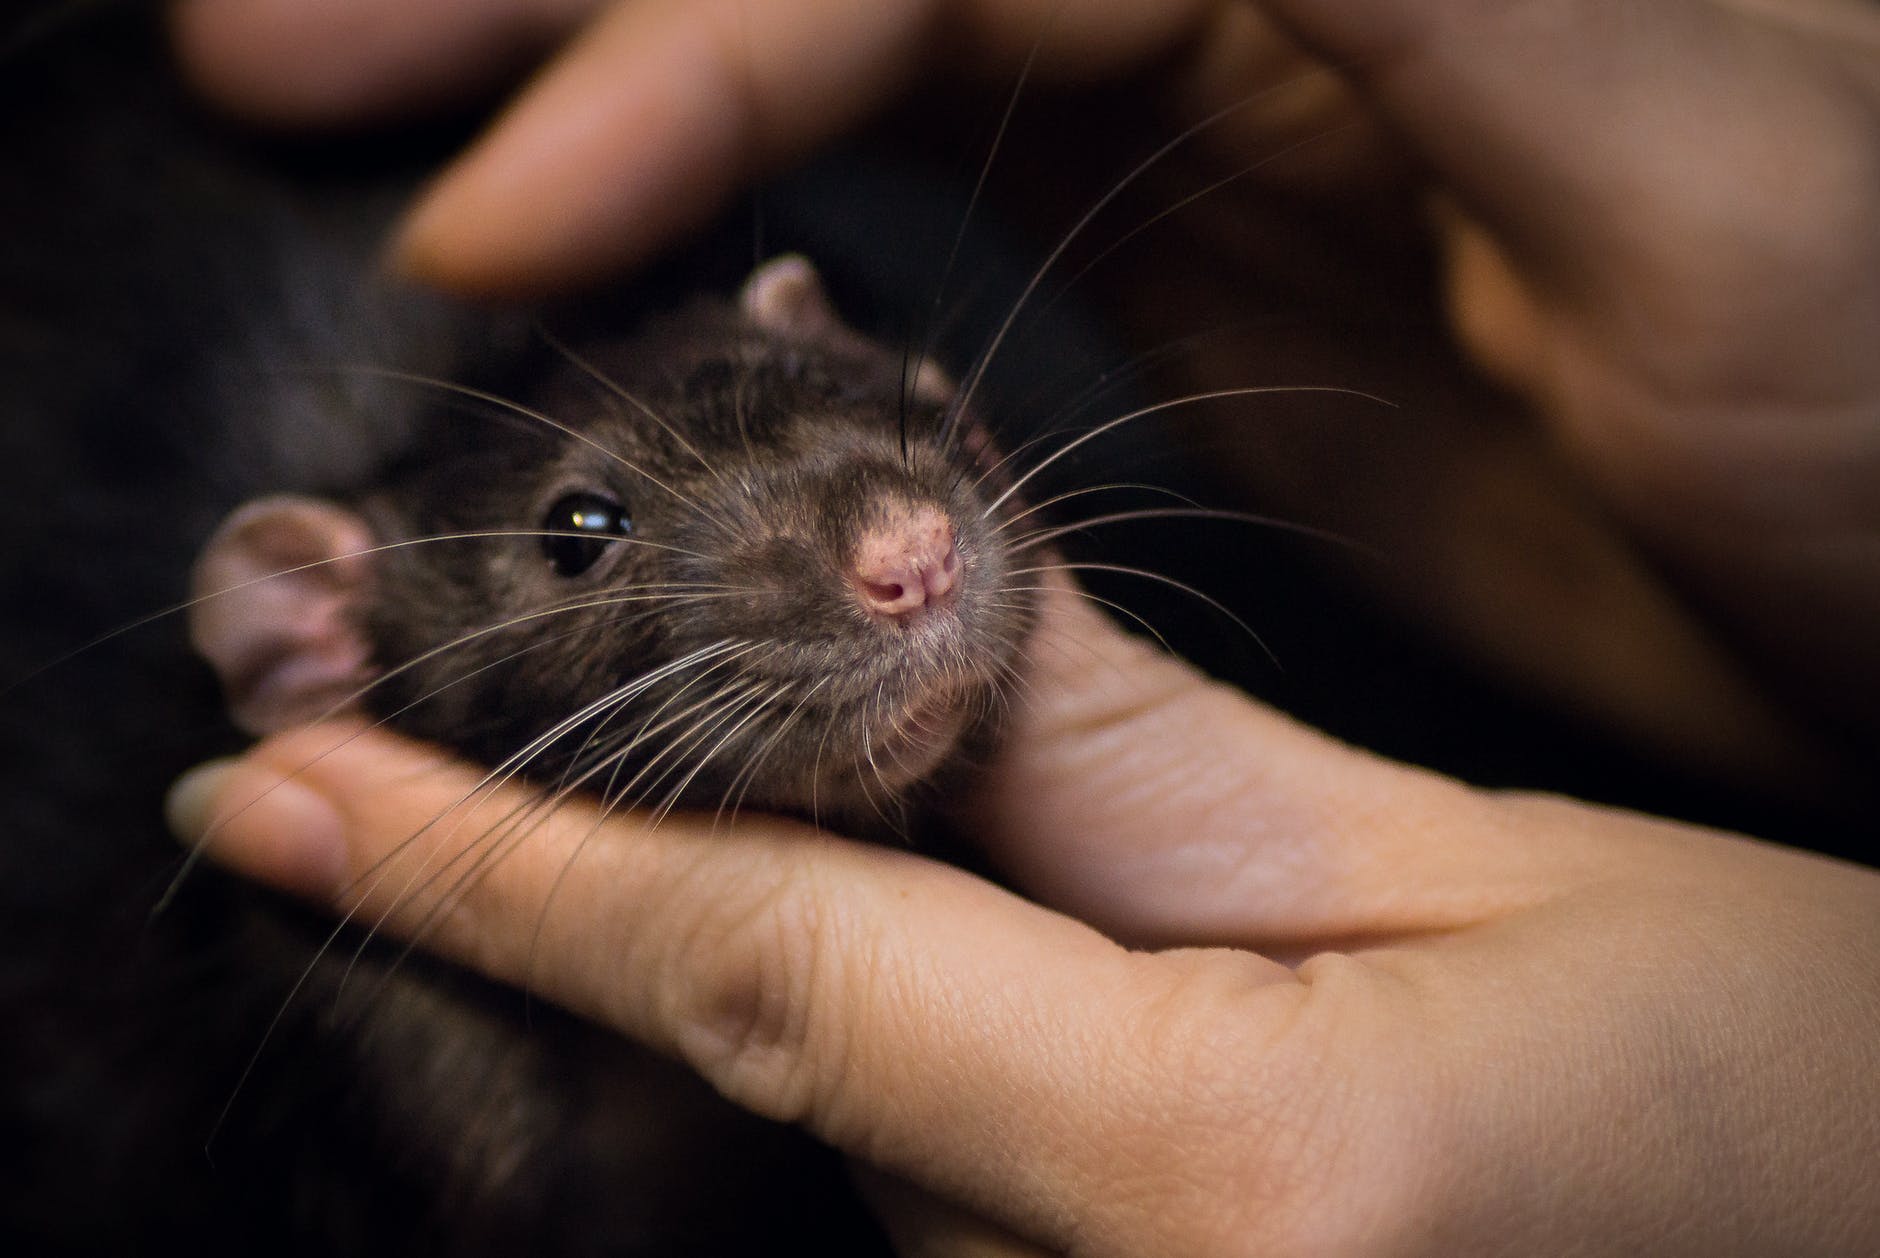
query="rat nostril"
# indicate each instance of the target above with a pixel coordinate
(906, 562)
(883, 591)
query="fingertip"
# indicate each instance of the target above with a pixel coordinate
(477, 234)
(617, 148)
(250, 819)
(189, 808)
(641, 130)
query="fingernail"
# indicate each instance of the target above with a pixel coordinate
(188, 807)
(281, 831)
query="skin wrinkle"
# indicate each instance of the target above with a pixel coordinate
(1347, 1158)
(776, 974)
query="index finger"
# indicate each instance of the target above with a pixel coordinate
(644, 127)
(664, 109)
(655, 115)
(906, 1012)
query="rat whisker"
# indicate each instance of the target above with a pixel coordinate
(198, 850)
(624, 743)
(1147, 574)
(620, 391)
(720, 707)
(741, 783)
(1043, 536)
(184, 605)
(1089, 216)
(608, 809)
(1183, 203)
(366, 883)
(482, 395)
(1144, 411)
(1004, 527)
(930, 331)
(728, 691)
(758, 704)
(491, 847)
(497, 777)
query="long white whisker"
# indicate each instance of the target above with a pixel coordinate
(493, 399)
(1209, 190)
(1042, 536)
(746, 776)
(762, 704)
(509, 769)
(1006, 525)
(1149, 575)
(1141, 412)
(183, 606)
(986, 357)
(613, 386)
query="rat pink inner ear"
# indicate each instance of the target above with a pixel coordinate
(785, 296)
(280, 590)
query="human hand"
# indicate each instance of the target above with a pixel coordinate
(1516, 1024)
(1654, 230)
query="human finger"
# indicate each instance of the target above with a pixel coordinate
(663, 108)
(1138, 794)
(896, 1007)
(344, 62)
(1027, 1071)
(654, 114)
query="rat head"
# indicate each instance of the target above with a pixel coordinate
(729, 558)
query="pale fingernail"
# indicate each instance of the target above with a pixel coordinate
(188, 808)
(282, 832)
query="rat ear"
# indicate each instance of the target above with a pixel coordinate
(785, 296)
(278, 591)
(933, 384)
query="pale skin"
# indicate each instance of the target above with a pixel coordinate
(1265, 994)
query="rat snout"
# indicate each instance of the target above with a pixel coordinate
(906, 562)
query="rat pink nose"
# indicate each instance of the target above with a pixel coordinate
(906, 562)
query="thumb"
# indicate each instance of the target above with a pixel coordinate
(1139, 795)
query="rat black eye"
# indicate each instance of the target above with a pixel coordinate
(581, 527)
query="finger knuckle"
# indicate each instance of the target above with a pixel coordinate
(766, 976)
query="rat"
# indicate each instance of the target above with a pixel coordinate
(727, 559)
(206, 374)
(730, 559)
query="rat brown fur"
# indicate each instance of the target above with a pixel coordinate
(191, 323)
(708, 641)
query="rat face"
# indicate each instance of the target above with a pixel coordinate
(709, 565)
